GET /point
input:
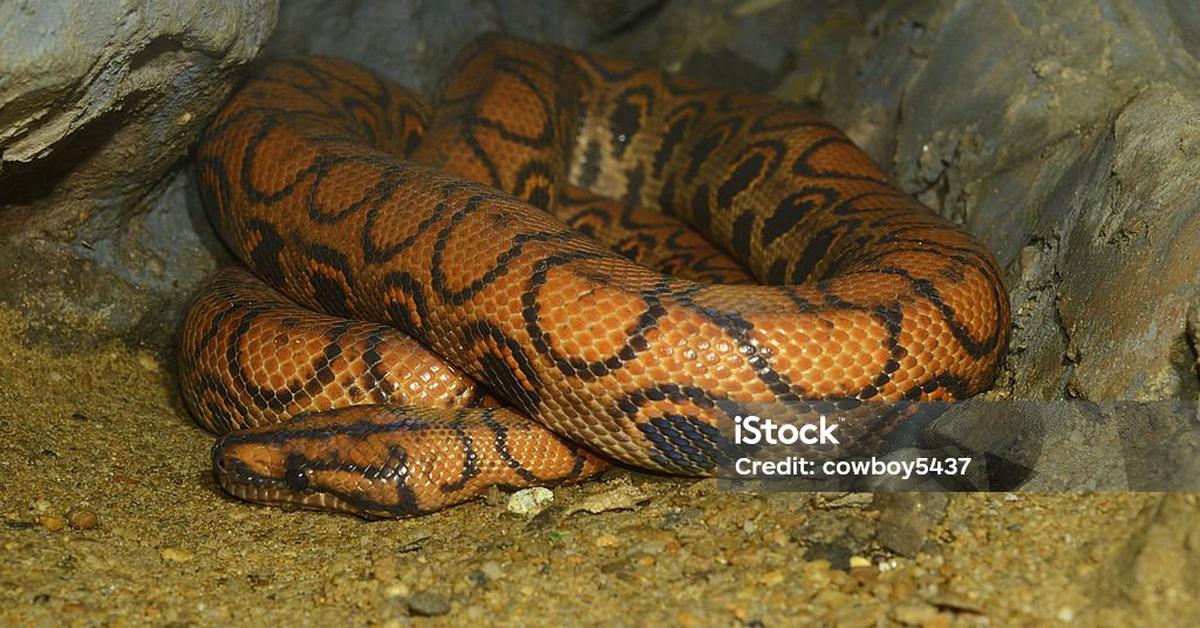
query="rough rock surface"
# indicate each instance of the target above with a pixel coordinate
(1157, 567)
(1113, 237)
(98, 103)
(412, 41)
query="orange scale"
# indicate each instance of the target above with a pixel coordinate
(287, 370)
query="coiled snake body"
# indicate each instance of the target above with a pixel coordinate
(462, 243)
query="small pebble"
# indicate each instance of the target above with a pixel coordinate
(477, 578)
(849, 500)
(654, 547)
(772, 578)
(864, 575)
(427, 604)
(385, 569)
(82, 519)
(838, 556)
(956, 602)
(148, 362)
(175, 554)
(607, 539)
(53, 523)
(622, 497)
(855, 615)
(620, 568)
(395, 590)
(914, 613)
(530, 501)
(492, 570)
(906, 518)
(494, 497)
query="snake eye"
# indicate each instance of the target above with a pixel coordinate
(296, 479)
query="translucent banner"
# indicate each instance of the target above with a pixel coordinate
(975, 445)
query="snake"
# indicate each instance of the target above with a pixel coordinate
(561, 262)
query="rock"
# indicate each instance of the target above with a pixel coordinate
(1114, 199)
(175, 554)
(385, 569)
(492, 570)
(772, 578)
(428, 604)
(52, 522)
(1156, 571)
(838, 556)
(856, 615)
(623, 497)
(905, 519)
(750, 48)
(956, 603)
(413, 41)
(530, 501)
(99, 102)
(82, 519)
(914, 613)
(846, 500)
(1074, 445)
(396, 590)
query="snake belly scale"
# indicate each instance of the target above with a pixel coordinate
(565, 259)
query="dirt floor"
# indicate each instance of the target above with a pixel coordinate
(104, 434)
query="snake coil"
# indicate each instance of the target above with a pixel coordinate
(529, 237)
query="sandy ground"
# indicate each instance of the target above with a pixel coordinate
(105, 433)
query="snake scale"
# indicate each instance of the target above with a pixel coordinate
(516, 285)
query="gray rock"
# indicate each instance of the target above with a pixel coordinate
(1074, 445)
(428, 604)
(98, 103)
(1106, 272)
(906, 518)
(837, 555)
(413, 41)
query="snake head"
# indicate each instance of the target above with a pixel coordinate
(337, 461)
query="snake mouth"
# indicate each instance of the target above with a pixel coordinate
(273, 485)
(264, 471)
(275, 495)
